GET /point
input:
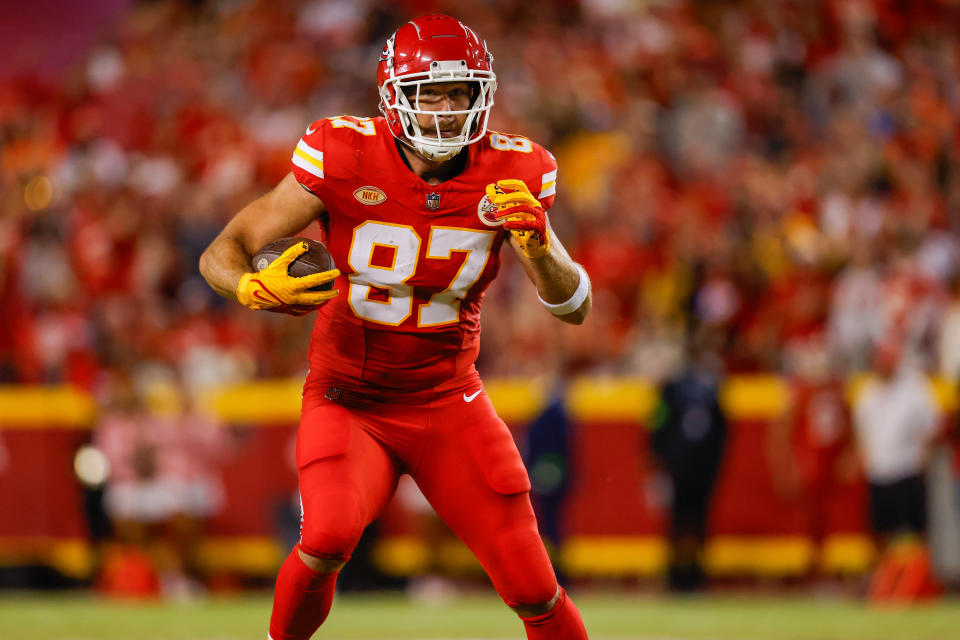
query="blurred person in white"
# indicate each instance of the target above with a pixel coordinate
(854, 323)
(895, 418)
(861, 71)
(705, 128)
(898, 303)
(912, 302)
(163, 481)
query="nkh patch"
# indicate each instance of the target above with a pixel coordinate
(370, 195)
(433, 201)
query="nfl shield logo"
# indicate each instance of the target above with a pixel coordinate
(433, 201)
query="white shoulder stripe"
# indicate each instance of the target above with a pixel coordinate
(310, 151)
(308, 159)
(549, 184)
(308, 166)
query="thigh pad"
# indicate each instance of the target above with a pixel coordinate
(491, 446)
(324, 432)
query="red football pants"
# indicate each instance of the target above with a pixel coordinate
(461, 455)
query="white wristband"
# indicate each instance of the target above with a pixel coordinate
(573, 302)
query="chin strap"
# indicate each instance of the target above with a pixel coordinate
(435, 153)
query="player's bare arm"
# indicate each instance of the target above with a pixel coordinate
(282, 212)
(562, 285)
(556, 277)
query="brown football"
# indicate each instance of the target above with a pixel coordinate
(316, 260)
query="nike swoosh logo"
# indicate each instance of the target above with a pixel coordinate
(473, 395)
(309, 130)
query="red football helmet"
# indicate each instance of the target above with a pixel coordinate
(428, 50)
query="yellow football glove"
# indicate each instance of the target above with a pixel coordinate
(274, 289)
(524, 215)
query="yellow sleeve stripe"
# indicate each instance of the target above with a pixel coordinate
(549, 182)
(310, 151)
(309, 162)
(317, 163)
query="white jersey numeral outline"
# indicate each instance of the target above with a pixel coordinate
(443, 307)
(364, 126)
(502, 142)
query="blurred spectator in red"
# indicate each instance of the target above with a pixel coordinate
(810, 443)
(721, 162)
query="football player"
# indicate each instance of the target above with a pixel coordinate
(415, 207)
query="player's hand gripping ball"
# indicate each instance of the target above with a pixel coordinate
(293, 276)
(524, 215)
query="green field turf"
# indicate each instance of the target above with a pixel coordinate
(392, 617)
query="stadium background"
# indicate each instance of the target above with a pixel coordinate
(783, 176)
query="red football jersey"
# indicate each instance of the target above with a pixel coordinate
(821, 428)
(415, 258)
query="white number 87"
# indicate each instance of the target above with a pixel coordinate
(403, 243)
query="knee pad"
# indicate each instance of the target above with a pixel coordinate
(332, 523)
(524, 575)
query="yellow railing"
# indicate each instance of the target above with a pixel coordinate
(516, 400)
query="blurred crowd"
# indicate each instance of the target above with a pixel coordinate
(784, 173)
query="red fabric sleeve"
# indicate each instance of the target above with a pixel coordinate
(307, 159)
